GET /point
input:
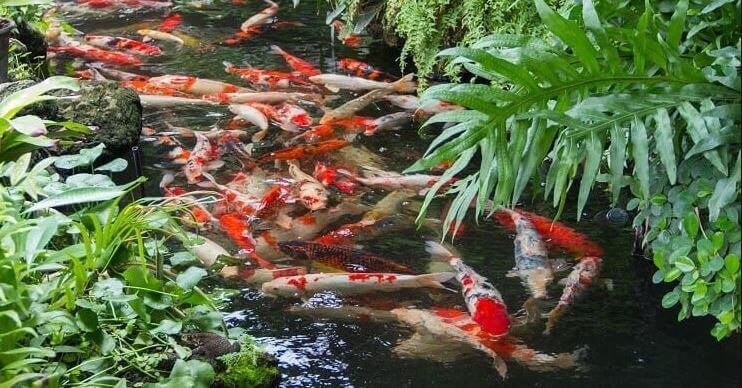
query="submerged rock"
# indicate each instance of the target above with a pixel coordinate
(114, 111)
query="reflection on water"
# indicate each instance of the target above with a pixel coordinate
(629, 339)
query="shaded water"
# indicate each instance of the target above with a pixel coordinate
(628, 339)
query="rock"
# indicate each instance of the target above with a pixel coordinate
(113, 110)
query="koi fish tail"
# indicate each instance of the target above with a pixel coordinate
(405, 84)
(277, 50)
(553, 316)
(434, 280)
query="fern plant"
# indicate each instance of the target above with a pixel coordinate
(640, 101)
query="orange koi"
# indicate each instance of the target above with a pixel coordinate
(299, 65)
(304, 151)
(95, 54)
(144, 87)
(171, 22)
(124, 44)
(361, 69)
(269, 78)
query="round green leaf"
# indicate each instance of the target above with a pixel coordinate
(670, 299)
(685, 264)
(672, 274)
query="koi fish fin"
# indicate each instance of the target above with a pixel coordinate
(289, 127)
(214, 165)
(332, 88)
(180, 160)
(552, 317)
(277, 50)
(500, 366)
(434, 280)
(533, 313)
(260, 135)
(206, 184)
(513, 273)
(405, 84)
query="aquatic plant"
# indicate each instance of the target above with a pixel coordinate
(426, 26)
(85, 297)
(630, 96)
(247, 367)
(19, 135)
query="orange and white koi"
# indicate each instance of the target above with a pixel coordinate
(483, 300)
(299, 65)
(250, 114)
(351, 283)
(118, 74)
(123, 44)
(582, 276)
(263, 17)
(312, 194)
(144, 87)
(96, 54)
(161, 101)
(361, 69)
(160, 35)
(193, 85)
(268, 78)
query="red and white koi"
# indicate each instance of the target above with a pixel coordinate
(351, 283)
(124, 3)
(483, 300)
(161, 101)
(304, 151)
(328, 175)
(299, 65)
(96, 54)
(336, 81)
(374, 177)
(268, 78)
(250, 114)
(144, 87)
(204, 157)
(312, 194)
(207, 251)
(256, 276)
(123, 44)
(582, 276)
(118, 74)
(263, 17)
(427, 107)
(193, 85)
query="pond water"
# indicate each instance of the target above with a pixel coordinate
(625, 337)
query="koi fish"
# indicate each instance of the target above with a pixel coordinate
(144, 87)
(262, 17)
(347, 39)
(118, 74)
(240, 233)
(582, 276)
(484, 302)
(428, 107)
(344, 313)
(393, 180)
(124, 3)
(207, 251)
(252, 115)
(268, 78)
(259, 275)
(350, 108)
(361, 69)
(556, 233)
(359, 124)
(171, 22)
(340, 257)
(193, 85)
(299, 65)
(160, 35)
(265, 97)
(304, 151)
(311, 192)
(159, 101)
(337, 81)
(532, 263)
(241, 36)
(124, 44)
(201, 159)
(351, 283)
(329, 176)
(290, 116)
(95, 54)
(272, 200)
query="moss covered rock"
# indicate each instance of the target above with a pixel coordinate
(251, 366)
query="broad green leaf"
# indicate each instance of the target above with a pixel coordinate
(116, 165)
(677, 24)
(592, 22)
(725, 136)
(89, 180)
(640, 154)
(663, 137)
(617, 152)
(29, 125)
(572, 35)
(490, 63)
(670, 299)
(13, 103)
(190, 277)
(76, 196)
(168, 327)
(39, 237)
(594, 150)
(725, 191)
(684, 264)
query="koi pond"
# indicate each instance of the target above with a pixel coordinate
(614, 333)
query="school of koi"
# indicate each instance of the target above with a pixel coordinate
(286, 202)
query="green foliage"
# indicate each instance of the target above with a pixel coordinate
(22, 134)
(425, 26)
(247, 368)
(636, 99)
(84, 295)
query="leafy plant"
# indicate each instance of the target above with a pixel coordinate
(85, 297)
(22, 134)
(633, 99)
